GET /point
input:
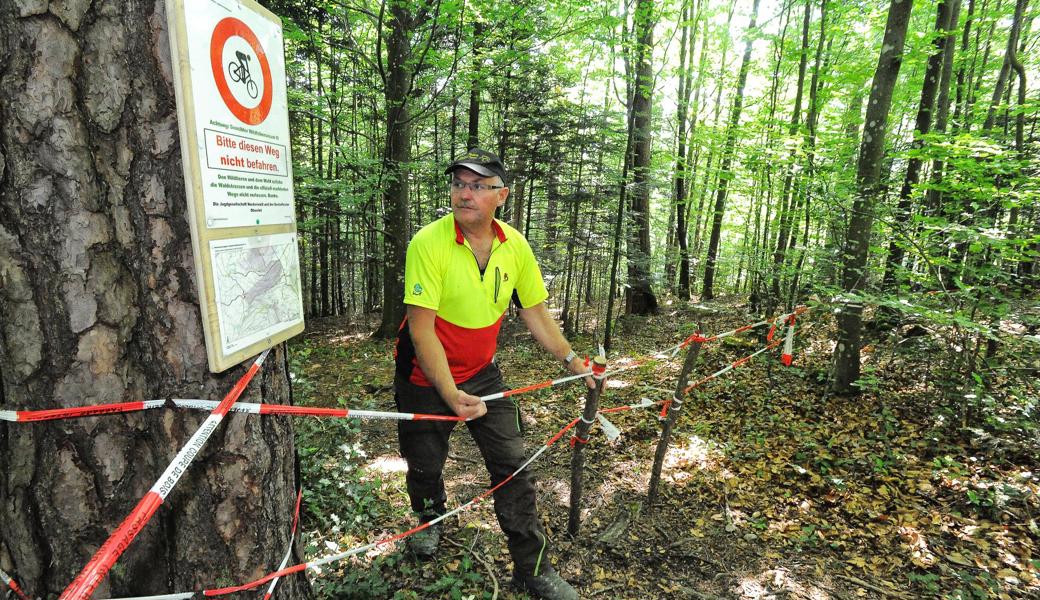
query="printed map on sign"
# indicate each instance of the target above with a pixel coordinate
(257, 283)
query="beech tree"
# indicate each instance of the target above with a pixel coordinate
(869, 187)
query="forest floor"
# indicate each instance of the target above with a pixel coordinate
(772, 487)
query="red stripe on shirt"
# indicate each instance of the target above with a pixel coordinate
(468, 350)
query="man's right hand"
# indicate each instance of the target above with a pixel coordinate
(468, 406)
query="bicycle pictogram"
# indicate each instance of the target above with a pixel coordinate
(243, 66)
(239, 72)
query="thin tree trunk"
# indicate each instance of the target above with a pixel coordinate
(868, 187)
(892, 279)
(1005, 66)
(933, 197)
(581, 436)
(693, 158)
(724, 167)
(811, 121)
(476, 77)
(397, 155)
(668, 423)
(678, 235)
(787, 208)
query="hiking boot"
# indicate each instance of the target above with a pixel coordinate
(548, 586)
(424, 543)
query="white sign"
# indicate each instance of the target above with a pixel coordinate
(257, 284)
(233, 116)
(237, 78)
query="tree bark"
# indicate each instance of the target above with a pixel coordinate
(691, 160)
(892, 279)
(674, 407)
(1005, 66)
(99, 305)
(395, 164)
(639, 295)
(677, 211)
(581, 437)
(869, 187)
(473, 137)
(933, 196)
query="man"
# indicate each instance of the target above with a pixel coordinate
(461, 273)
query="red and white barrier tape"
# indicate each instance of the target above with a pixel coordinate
(730, 367)
(282, 571)
(697, 337)
(26, 416)
(180, 596)
(313, 411)
(647, 403)
(30, 416)
(314, 564)
(91, 576)
(536, 386)
(94, 572)
(787, 355)
(11, 583)
(288, 550)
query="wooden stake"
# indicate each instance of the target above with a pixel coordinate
(581, 432)
(669, 422)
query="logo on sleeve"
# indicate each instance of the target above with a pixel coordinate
(417, 290)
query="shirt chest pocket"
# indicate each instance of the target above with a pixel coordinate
(499, 280)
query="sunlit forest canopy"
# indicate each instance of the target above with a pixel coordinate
(752, 134)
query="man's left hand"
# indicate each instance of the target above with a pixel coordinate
(577, 366)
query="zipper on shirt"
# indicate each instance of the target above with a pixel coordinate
(490, 254)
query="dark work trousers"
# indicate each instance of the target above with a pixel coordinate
(424, 445)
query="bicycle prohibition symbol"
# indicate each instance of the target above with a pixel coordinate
(239, 72)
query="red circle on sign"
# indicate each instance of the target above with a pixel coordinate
(224, 30)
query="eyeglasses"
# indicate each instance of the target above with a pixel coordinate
(458, 186)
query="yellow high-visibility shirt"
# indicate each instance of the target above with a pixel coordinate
(441, 273)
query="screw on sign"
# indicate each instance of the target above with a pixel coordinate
(240, 71)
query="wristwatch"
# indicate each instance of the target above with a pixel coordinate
(570, 356)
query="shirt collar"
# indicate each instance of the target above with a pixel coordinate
(461, 239)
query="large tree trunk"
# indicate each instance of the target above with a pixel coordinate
(725, 175)
(395, 163)
(639, 295)
(868, 188)
(99, 305)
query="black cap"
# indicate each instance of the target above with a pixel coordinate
(481, 162)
